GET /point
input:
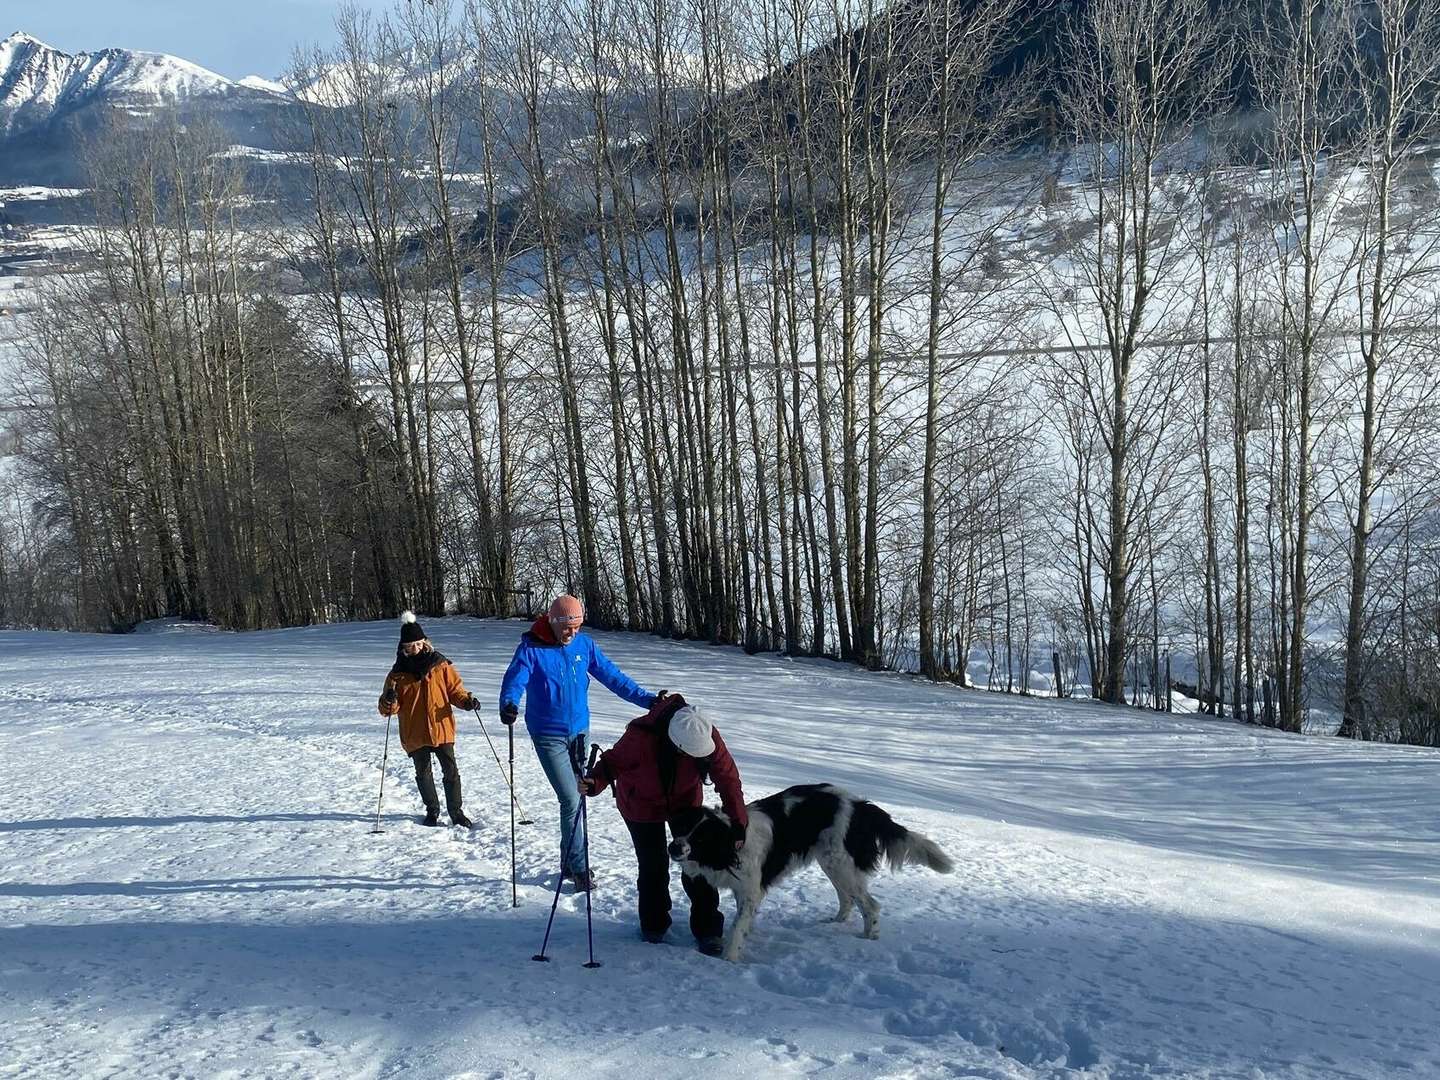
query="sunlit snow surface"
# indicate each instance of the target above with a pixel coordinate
(189, 885)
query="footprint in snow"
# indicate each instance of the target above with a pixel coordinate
(931, 966)
(892, 990)
(777, 1048)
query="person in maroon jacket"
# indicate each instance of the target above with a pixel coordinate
(658, 767)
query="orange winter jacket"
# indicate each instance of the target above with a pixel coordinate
(424, 704)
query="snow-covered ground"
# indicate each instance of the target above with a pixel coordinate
(189, 885)
(37, 194)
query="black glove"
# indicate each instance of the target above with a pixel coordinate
(389, 697)
(661, 695)
(509, 713)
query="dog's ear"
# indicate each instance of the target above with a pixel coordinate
(682, 821)
(711, 844)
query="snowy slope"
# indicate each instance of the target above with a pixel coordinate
(259, 82)
(188, 885)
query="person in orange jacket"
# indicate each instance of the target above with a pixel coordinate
(422, 687)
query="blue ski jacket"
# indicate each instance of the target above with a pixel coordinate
(554, 680)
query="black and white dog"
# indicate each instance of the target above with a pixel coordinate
(793, 828)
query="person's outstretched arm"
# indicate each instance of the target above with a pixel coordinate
(616, 681)
(727, 782)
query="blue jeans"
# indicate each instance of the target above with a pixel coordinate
(560, 757)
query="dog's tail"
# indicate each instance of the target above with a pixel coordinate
(900, 846)
(917, 850)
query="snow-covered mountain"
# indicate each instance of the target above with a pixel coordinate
(39, 83)
(49, 100)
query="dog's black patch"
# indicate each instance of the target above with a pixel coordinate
(712, 845)
(871, 831)
(682, 821)
(801, 813)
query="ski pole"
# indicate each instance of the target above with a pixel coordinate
(540, 957)
(383, 760)
(514, 888)
(510, 779)
(589, 879)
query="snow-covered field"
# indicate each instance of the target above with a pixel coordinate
(189, 885)
(37, 194)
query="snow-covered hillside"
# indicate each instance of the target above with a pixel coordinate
(189, 886)
(259, 82)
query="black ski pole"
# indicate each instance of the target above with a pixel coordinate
(540, 957)
(509, 780)
(514, 889)
(589, 878)
(384, 758)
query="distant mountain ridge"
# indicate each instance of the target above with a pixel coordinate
(39, 83)
(50, 99)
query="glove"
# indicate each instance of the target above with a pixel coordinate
(661, 695)
(737, 833)
(509, 713)
(389, 697)
(472, 703)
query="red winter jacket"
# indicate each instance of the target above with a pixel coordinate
(633, 766)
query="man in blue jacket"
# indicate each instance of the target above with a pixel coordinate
(551, 669)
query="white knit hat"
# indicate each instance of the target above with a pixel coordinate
(690, 731)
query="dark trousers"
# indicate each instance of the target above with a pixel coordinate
(653, 886)
(425, 778)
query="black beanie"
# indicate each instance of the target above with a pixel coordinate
(410, 629)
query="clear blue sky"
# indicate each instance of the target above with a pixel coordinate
(232, 37)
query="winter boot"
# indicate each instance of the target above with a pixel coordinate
(584, 880)
(653, 937)
(457, 817)
(710, 946)
(432, 816)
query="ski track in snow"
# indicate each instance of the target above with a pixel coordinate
(189, 886)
